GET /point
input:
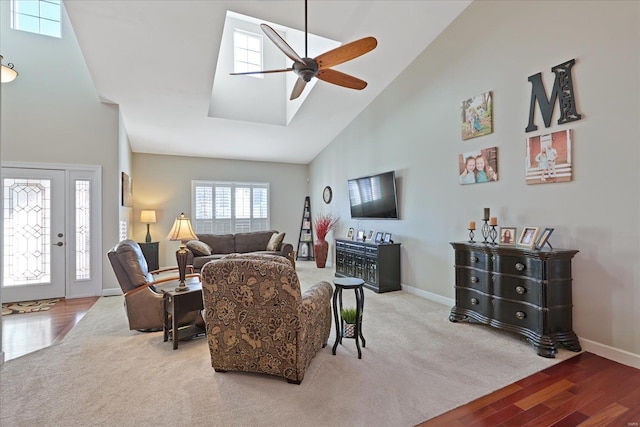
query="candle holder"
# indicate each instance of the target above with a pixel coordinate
(471, 235)
(493, 233)
(485, 230)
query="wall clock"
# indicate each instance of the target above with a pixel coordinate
(327, 194)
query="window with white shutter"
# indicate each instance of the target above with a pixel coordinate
(230, 207)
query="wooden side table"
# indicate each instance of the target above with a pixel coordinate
(176, 305)
(355, 284)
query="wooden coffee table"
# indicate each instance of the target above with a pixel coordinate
(176, 305)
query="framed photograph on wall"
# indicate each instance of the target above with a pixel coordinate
(387, 237)
(528, 237)
(544, 238)
(477, 116)
(549, 158)
(508, 236)
(378, 237)
(478, 166)
(127, 197)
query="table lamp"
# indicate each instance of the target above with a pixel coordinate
(182, 231)
(148, 217)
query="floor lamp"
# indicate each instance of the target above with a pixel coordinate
(182, 232)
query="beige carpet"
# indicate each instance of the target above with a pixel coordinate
(416, 365)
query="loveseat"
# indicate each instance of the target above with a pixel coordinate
(210, 247)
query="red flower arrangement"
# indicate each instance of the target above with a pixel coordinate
(325, 223)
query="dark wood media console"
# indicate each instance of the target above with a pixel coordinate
(521, 290)
(377, 264)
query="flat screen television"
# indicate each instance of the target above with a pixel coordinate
(374, 196)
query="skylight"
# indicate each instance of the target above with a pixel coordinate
(247, 52)
(36, 16)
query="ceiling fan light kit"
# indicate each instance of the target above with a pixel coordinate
(320, 66)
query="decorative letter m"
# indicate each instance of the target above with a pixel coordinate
(562, 89)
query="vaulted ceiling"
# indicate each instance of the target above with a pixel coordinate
(161, 61)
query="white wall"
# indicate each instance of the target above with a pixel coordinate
(163, 183)
(413, 128)
(51, 113)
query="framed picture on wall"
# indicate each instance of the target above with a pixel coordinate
(127, 198)
(477, 116)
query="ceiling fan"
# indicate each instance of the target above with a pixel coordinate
(320, 66)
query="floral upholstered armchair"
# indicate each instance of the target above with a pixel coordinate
(258, 321)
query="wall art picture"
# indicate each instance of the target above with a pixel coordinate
(477, 116)
(127, 198)
(478, 166)
(549, 158)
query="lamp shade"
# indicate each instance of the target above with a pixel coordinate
(181, 229)
(7, 73)
(148, 217)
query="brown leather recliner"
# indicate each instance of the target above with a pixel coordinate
(143, 297)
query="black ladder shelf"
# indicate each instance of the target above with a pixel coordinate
(305, 241)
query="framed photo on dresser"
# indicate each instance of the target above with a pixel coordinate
(528, 237)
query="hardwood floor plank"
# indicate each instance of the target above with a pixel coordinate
(606, 415)
(603, 391)
(25, 333)
(544, 394)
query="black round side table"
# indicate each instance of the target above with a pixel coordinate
(357, 285)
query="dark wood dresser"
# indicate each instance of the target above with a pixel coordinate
(521, 290)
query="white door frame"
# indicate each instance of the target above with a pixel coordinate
(77, 288)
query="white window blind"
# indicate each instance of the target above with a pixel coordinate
(230, 207)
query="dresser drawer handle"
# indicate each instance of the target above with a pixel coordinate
(520, 266)
(474, 301)
(520, 290)
(474, 259)
(474, 279)
(520, 315)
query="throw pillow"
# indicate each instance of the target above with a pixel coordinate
(199, 248)
(275, 241)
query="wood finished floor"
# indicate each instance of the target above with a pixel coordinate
(586, 390)
(27, 332)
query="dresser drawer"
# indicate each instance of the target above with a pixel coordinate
(519, 266)
(517, 314)
(518, 289)
(475, 301)
(474, 279)
(475, 259)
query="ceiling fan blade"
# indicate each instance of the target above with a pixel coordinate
(346, 52)
(297, 89)
(262, 72)
(279, 41)
(341, 79)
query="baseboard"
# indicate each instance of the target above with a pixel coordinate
(603, 350)
(111, 292)
(615, 354)
(429, 295)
